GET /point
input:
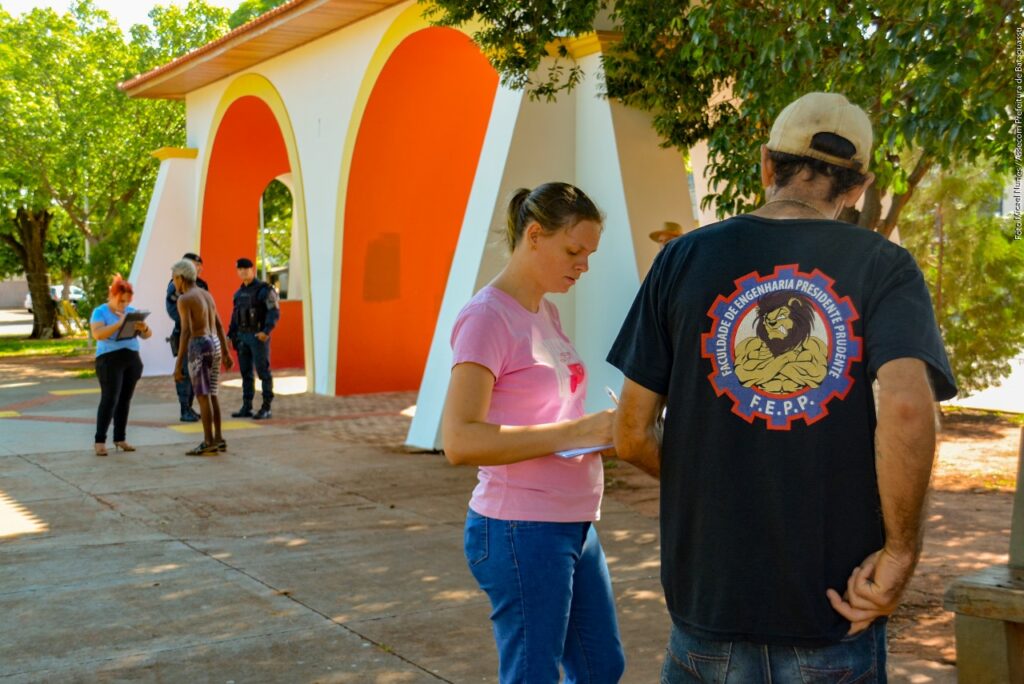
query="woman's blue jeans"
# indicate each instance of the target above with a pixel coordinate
(860, 659)
(552, 600)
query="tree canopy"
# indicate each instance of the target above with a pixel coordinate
(73, 146)
(934, 77)
(974, 269)
(250, 9)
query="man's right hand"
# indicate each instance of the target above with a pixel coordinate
(874, 588)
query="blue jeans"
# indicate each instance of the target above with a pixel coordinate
(252, 352)
(552, 599)
(859, 659)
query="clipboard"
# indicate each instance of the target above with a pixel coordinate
(573, 453)
(128, 330)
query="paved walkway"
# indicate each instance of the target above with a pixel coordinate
(315, 550)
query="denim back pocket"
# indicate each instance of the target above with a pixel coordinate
(475, 538)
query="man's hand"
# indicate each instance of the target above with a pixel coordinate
(229, 362)
(874, 588)
(262, 336)
(179, 376)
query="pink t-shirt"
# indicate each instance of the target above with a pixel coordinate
(539, 378)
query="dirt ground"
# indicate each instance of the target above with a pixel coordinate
(969, 514)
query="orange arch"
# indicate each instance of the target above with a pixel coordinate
(412, 169)
(248, 153)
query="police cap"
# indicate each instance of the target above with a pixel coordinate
(243, 263)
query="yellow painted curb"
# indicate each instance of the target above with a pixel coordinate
(9, 414)
(225, 426)
(68, 393)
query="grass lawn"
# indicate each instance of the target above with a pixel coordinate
(63, 347)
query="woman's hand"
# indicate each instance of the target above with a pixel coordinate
(144, 331)
(596, 428)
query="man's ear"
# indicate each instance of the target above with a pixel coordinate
(767, 168)
(850, 197)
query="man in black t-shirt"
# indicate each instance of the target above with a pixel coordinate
(791, 489)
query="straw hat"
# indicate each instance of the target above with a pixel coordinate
(670, 231)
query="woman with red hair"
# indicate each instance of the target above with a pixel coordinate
(118, 366)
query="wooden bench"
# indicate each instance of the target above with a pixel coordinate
(989, 607)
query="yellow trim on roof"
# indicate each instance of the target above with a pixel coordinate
(586, 44)
(165, 153)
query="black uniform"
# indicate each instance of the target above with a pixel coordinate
(184, 388)
(255, 309)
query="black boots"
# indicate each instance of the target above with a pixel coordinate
(188, 415)
(246, 412)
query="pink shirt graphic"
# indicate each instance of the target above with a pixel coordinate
(539, 378)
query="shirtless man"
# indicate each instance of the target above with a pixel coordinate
(199, 322)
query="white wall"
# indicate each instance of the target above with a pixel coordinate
(168, 233)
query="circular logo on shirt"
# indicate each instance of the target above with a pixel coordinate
(782, 346)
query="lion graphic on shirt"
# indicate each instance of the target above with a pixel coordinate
(782, 357)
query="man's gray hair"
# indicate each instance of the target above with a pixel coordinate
(185, 269)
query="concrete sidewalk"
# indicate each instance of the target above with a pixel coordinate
(315, 550)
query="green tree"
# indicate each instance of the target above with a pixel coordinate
(73, 144)
(250, 9)
(974, 269)
(277, 224)
(934, 77)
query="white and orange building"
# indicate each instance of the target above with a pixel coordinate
(401, 148)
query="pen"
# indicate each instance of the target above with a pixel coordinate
(611, 393)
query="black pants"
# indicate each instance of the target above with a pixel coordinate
(252, 352)
(183, 388)
(117, 371)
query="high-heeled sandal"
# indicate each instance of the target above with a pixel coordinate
(101, 449)
(124, 446)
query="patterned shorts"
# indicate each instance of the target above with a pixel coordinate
(204, 364)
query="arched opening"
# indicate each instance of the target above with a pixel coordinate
(412, 168)
(249, 167)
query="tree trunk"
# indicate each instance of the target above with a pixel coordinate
(32, 227)
(872, 208)
(900, 200)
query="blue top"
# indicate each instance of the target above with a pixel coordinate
(103, 314)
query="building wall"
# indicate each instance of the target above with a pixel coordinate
(402, 150)
(12, 293)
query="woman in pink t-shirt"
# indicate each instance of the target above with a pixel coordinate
(516, 397)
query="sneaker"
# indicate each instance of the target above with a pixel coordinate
(243, 412)
(189, 416)
(203, 449)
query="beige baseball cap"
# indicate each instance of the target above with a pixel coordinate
(817, 113)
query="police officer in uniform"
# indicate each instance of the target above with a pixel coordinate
(184, 388)
(253, 317)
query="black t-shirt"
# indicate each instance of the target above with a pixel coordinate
(765, 336)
